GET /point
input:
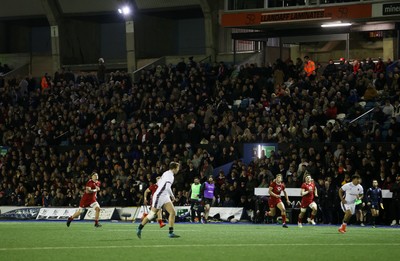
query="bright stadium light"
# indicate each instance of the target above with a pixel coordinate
(125, 10)
(336, 24)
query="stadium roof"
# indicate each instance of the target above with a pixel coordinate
(26, 9)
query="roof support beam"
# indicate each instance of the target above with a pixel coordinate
(210, 10)
(54, 16)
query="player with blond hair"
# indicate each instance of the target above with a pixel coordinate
(275, 190)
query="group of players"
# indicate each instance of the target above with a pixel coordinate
(202, 196)
(351, 194)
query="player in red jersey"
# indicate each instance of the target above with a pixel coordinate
(89, 199)
(275, 189)
(308, 192)
(151, 190)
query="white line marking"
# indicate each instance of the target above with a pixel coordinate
(152, 230)
(197, 245)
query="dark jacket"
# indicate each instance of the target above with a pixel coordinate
(395, 189)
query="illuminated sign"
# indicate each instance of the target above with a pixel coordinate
(333, 13)
(391, 9)
(280, 17)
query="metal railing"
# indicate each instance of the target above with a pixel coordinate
(94, 66)
(160, 61)
(22, 71)
(362, 115)
(208, 58)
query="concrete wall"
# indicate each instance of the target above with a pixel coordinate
(15, 60)
(360, 47)
(336, 55)
(389, 48)
(176, 59)
(41, 64)
(273, 53)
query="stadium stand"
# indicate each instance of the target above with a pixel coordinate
(128, 131)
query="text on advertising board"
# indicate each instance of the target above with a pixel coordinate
(293, 16)
(391, 9)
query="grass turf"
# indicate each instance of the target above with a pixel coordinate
(118, 241)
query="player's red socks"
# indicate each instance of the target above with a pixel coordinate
(283, 219)
(343, 227)
(312, 217)
(70, 218)
(96, 222)
(299, 220)
(162, 224)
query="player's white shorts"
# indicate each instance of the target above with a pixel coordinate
(351, 207)
(159, 201)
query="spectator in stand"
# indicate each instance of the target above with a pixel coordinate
(331, 111)
(330, 70)
(380, 82)
(101, 71)
(132, 129)
(379, 66)
(356, 66)
(395, 206)
(371, 93)
(45, 82)
(3, 200)
(388, 109)
(370, 65)
(309, 67)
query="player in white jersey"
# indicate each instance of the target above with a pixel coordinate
(349, 193)
(163, 197)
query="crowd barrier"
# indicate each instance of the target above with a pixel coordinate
(107, 213)
(55, 213)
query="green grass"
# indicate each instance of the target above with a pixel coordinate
(118, 241)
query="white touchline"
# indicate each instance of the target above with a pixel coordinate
(152, 230)
(197, 245)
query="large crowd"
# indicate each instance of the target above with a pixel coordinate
(55, 132)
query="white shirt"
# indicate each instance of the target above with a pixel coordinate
(388, 109)
(352, 192)
(164, 184)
